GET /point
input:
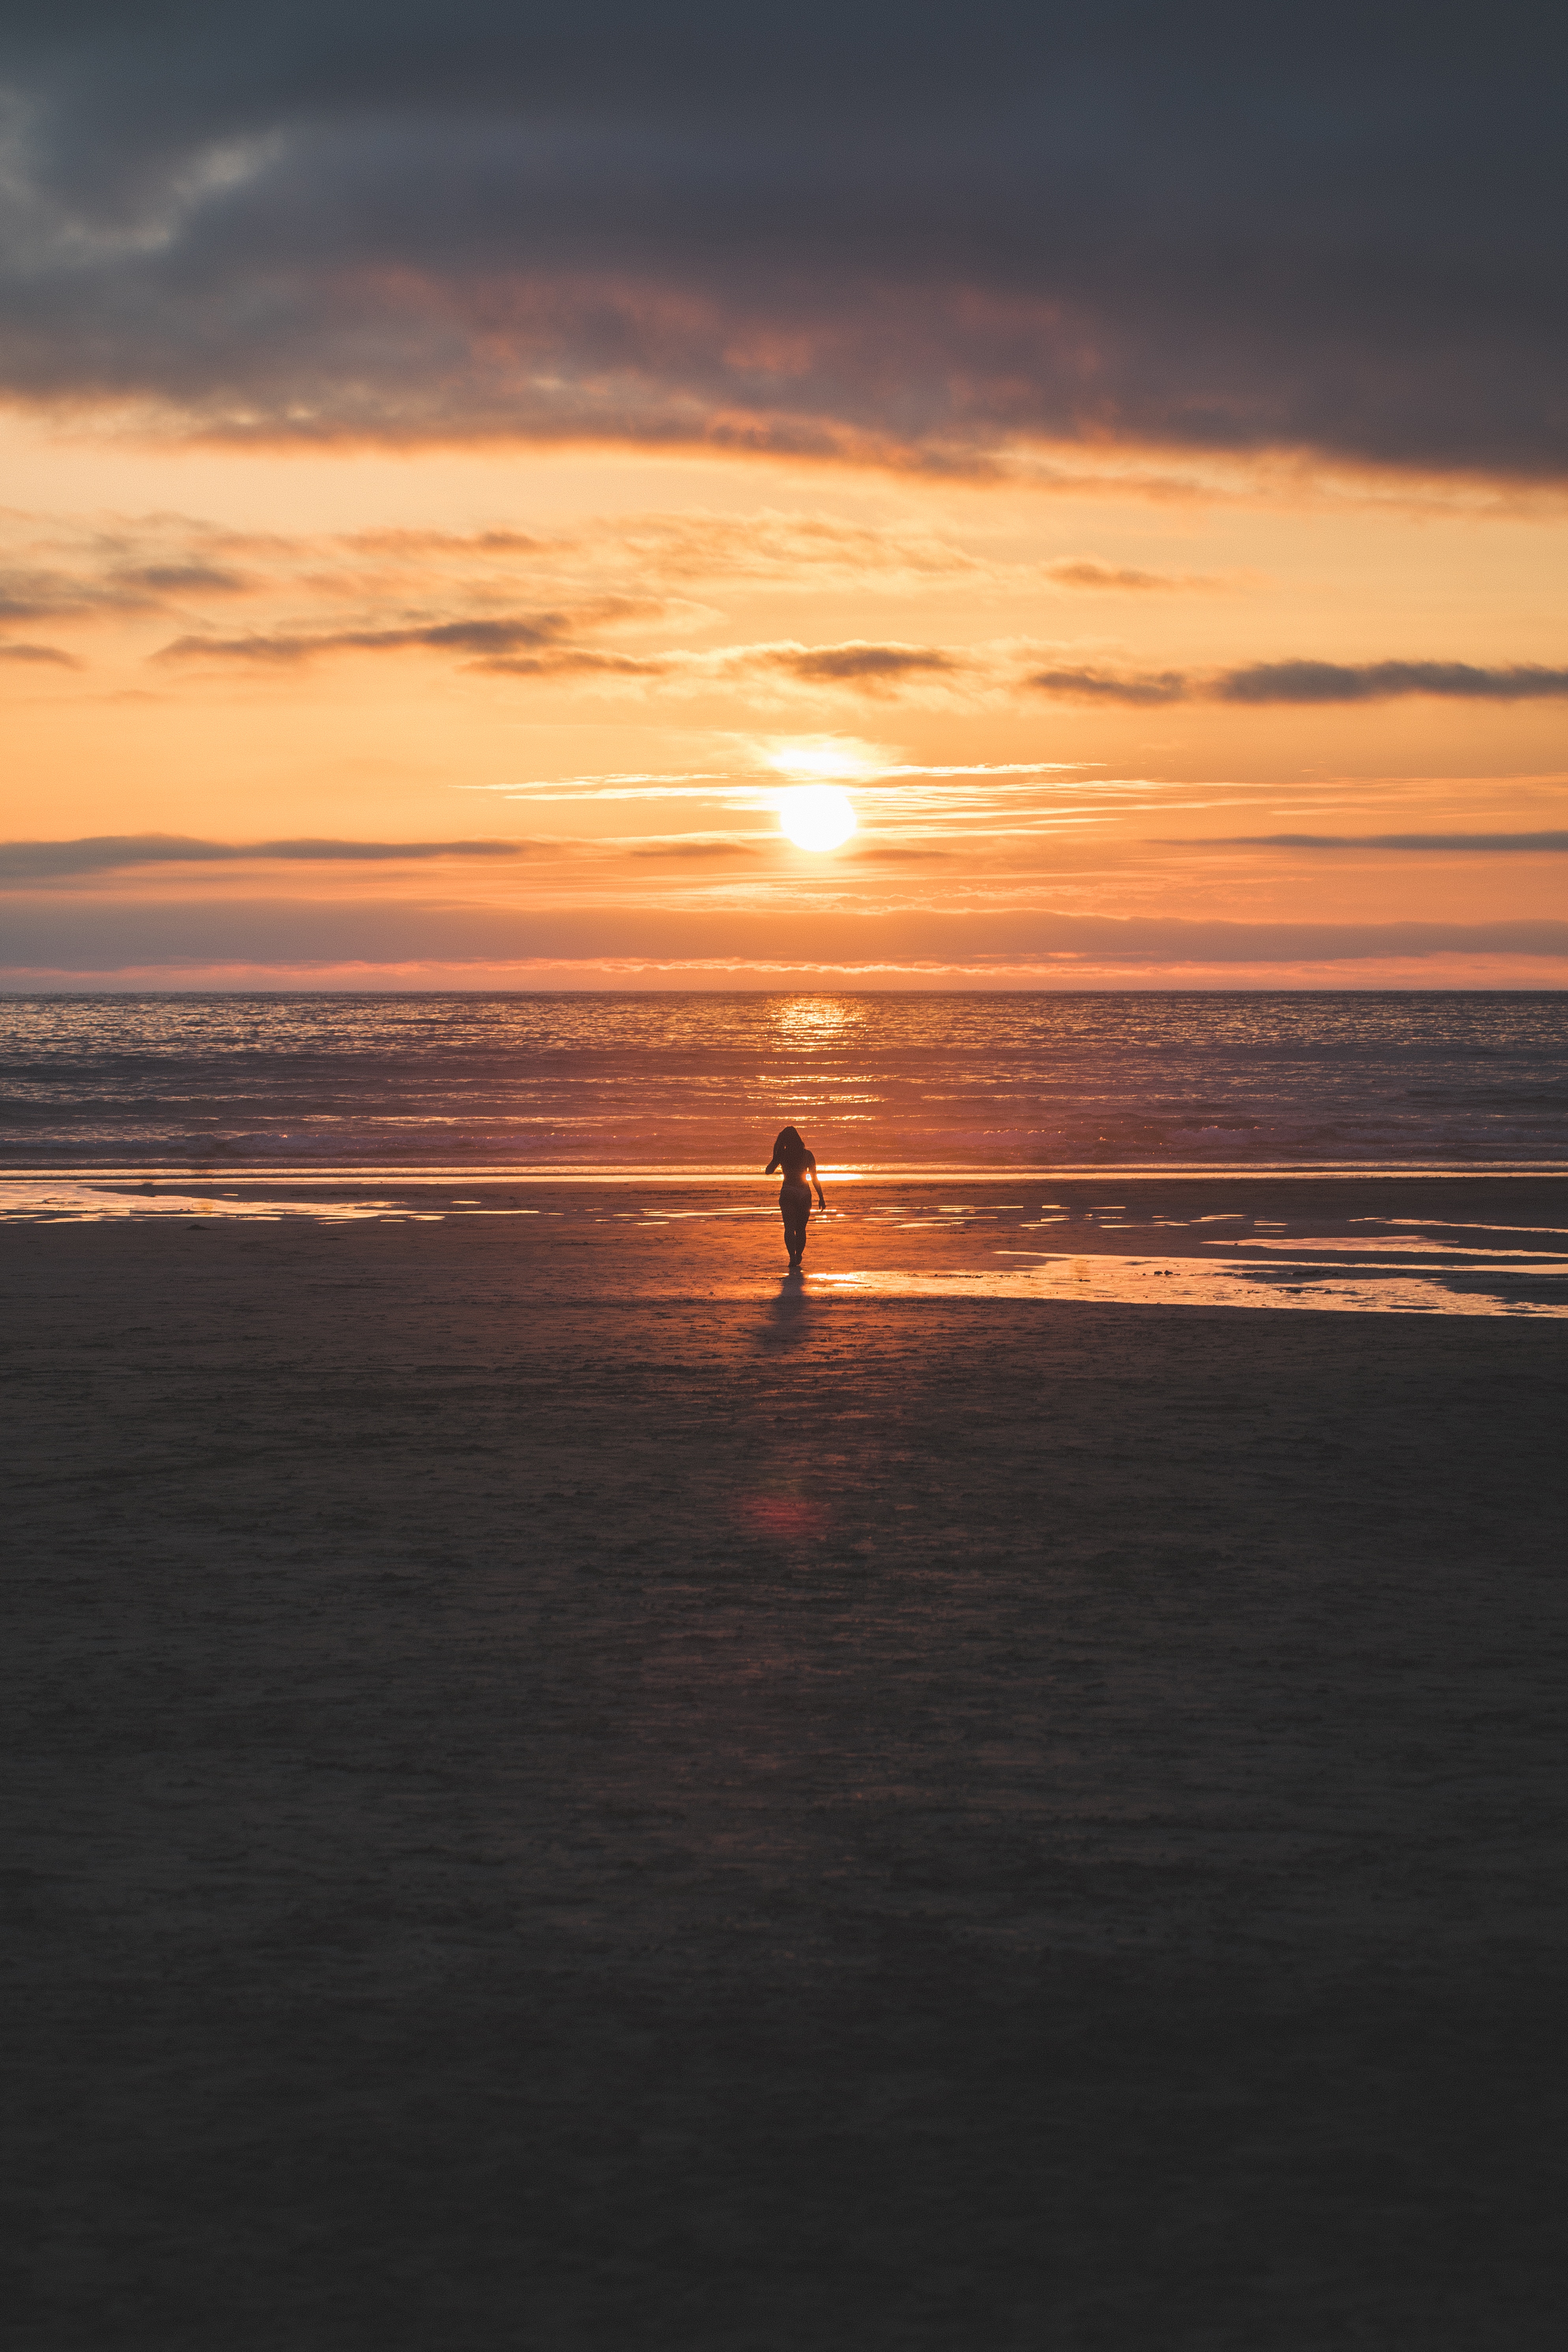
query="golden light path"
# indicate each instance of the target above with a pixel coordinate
(816, 816)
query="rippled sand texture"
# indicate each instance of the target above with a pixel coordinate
(549, 1813)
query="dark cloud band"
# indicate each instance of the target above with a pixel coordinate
(105, 936)
(884, 229)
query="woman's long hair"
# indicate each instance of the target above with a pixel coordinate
(787, 1135)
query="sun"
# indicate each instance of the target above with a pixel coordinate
(814, 816)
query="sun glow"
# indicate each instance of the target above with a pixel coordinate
(824, 758)
(816, 816)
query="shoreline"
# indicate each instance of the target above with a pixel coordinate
(917, 1172)
(1463, 1246)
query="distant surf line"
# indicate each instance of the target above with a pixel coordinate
(881, 1173)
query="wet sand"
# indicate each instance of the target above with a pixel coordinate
(569, 1796)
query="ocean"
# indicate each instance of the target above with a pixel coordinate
(429, 1082)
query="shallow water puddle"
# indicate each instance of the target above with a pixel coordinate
(93, 1204)
(1391, 1264)
(1356, 1247)
(1185, 1282)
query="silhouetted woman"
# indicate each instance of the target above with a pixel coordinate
(791, 1156)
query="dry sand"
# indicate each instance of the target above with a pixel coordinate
(554, 1818)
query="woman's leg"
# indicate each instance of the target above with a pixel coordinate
(794, 1212)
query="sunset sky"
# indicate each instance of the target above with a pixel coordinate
(463, 467)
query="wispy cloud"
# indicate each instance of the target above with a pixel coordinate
(879, 853)
(63, 595)
(1449, 844)
(1072, 683)
(1383, 681)
(71, 569)
(998, 767)
(546, 645)
(162, 580)
(401, 586)
(856, 667)
(871, 667)
(456, 596)
(579, 661)
(755, 780)
(488, 641)
(691, 847)
(672, 785)
(804, 551)
(1120, 579)
(45, 655)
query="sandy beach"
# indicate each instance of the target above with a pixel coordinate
(594, 601)
(566, 1795)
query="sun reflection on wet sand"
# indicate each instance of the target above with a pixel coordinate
(1123, 1280)
(1316, 1249)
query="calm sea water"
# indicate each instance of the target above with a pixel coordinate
(688, 1081)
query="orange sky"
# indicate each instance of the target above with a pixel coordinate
(469, 645)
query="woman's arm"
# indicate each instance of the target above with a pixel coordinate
(811, 1163)
(771, 1165)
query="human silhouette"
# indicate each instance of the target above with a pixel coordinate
(791, 1157)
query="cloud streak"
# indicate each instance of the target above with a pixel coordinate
(1305, 683)
(37, 656)
(1387, 681)
(548, 644)
(871, 667)
(1448, 844)
(492, 642)
(66, 567)
(37, 861)
(542, 646)
(1120, 579)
